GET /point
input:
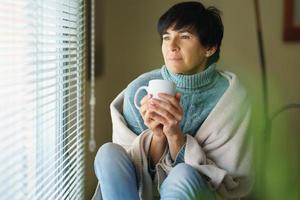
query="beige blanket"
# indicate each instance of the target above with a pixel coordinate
(220, 150)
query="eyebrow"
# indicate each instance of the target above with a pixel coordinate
(184, 30)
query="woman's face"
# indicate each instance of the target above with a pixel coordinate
(183, 52)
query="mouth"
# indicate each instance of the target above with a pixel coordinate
(174, 58)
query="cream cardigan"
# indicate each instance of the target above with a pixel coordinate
(221, 149)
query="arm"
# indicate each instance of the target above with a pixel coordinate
(139, 120)
(157, 148)
(159, 141)
(168, 112)
(132, 116)
(175, 144)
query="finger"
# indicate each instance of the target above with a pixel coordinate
(178, 97)
(146, 98)
(164, 121)
(151, 123)
(143, 110)
(167, 110)
(154, 124)
(157, 118)
(174, 100)
(147, 119)
(144, 104)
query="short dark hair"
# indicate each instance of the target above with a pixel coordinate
(205, 22)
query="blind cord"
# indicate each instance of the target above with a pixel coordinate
(92, 142)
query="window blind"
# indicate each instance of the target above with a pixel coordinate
(42, 67)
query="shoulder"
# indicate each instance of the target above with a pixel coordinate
(235, 87)
(142, 80)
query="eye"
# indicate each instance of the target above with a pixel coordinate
(185, 37)
(166, 37)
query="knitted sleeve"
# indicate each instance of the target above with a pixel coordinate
(131, 114)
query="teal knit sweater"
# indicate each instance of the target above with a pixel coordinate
(199, 94)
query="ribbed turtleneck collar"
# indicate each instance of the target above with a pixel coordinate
(191, 82)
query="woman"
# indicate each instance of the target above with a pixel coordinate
(190, 146)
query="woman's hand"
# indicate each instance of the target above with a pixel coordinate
(159, 140)
(168, 112)
(146, 113)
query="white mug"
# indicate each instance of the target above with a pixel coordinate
(155, 87)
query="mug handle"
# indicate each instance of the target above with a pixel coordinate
(136, 95)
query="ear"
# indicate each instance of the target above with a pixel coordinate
(210, 51)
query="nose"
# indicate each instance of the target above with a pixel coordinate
(173, 45)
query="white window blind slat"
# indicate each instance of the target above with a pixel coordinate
(71, 191)
(42, 56)
(11, 166)
(55, 178)
(49, 107)
(66, 193)
(67, 21)
(75, 192)
(46, 38)
(70, 129)
(48, 189)
(45, 168)
(60, 163)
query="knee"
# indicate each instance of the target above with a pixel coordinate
(184, 174)
(184, 170)
(106, 152)
(185, 182)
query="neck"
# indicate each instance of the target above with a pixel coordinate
(191, 81)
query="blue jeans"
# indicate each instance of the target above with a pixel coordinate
(117, 177)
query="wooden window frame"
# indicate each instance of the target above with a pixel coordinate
(291, 31)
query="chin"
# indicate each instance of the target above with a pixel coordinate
(175, 68)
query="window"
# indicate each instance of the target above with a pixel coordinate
(42, 67)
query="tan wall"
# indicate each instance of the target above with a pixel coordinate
(131, 47)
